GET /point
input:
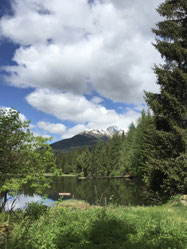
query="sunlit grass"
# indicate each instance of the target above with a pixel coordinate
(77, 225)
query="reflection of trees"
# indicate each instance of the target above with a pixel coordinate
(29, 191)
(118, 191)
(121, 191)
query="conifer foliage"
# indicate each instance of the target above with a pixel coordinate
(166, 163)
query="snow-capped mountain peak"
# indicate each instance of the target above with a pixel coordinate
(109, 132)
(85, 138)
(113, 129)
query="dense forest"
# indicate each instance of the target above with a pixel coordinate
(120, 155)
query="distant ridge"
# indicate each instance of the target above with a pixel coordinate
(85, 138)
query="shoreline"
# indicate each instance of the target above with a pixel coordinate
(92, 177)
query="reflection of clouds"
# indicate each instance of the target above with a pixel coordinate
(22, 200)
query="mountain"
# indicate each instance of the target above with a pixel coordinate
(85, 138)
(102, 134)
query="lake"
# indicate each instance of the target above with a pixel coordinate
(95, 191)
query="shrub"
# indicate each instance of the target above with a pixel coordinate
(161, 227)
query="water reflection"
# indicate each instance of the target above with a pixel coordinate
(94, 191)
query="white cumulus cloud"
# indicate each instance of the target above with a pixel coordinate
(52, 128)
(84, 113)
(75, 46)
(75, 130)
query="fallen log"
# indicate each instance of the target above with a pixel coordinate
(64, 194)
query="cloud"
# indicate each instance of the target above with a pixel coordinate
(32, 126)
(79, 47)
(52, 128)
(75, 130)
(70, 107)
(39, 134)
(97, 100)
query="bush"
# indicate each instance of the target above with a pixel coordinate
(35, 210)
(162, 227)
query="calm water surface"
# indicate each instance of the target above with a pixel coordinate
(94, 191)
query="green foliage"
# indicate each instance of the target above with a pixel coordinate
(23, 158)
(113, 155)
(74, 143)
(34, 210)
(161, 227)
(83, 161)
(166, 167)
(143, 130)
(119, 156)
(127, 152)
(98, 159)
(134, 147)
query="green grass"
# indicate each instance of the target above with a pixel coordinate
(76, 225)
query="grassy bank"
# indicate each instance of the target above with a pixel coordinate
(76, 225)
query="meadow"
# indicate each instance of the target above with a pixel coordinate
(77, 225)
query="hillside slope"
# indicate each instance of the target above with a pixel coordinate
(85, 138)
(74, 142)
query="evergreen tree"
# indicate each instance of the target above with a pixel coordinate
(60, 160)
(142, 136)
(165, 168)
(84, 160)
(74, 163)
(99, 159)
(113, 155)
(67, 163)
(127, 152)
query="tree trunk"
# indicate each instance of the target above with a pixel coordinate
(4, 200)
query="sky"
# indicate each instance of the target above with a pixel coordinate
(73, 65)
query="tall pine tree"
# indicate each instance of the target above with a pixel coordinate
(166, 162)
(113, 155)
(127, 152)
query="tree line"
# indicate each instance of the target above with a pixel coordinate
(121, 155)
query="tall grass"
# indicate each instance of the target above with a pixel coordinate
(83, 227)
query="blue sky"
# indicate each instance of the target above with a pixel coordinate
(71, 65)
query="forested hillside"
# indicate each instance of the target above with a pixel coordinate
(121, 155)
(73, 143)
(85, 138)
